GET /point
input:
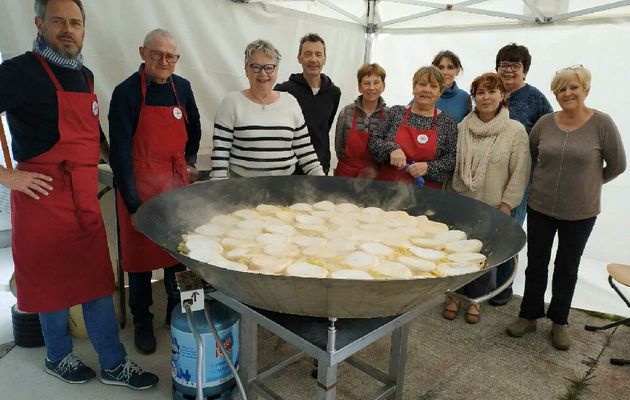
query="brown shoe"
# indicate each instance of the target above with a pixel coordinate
(520, 327)
(560, 337)
(473, 315)
(451, 309)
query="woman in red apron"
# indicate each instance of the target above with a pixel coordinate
(155, 153)
(355, 123)
(417, 140)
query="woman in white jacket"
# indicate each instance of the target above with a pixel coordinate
(493, 165)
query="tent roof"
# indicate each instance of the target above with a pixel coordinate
(417, 14)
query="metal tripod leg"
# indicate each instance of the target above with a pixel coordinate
(326, 373)
(398, 359)
(248, 355)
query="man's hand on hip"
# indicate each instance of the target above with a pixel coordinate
(29, 183)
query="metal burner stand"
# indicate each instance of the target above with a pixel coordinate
(329, 341)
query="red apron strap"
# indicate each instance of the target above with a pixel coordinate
(435, 115)
(406, 117)
(143, 87)
(380, 115)
(54, 79)
(51, 75)
(177, 100)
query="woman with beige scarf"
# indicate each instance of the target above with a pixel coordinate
(493, 165)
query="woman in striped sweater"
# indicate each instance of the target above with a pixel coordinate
(259, 131)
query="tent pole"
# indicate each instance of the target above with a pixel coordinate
(370, 31)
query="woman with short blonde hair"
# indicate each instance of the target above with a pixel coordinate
(260, 131)
(575, 151)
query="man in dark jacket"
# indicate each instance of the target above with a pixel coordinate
(316, 93)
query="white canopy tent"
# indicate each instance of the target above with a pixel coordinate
(401, 35)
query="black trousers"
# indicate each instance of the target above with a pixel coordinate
(480, 286)
(141, 295)
(572, 238)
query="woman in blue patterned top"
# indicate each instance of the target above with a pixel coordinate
(526, 104)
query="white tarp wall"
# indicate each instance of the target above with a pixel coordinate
(212, 35)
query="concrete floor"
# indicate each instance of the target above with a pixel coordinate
(447, 360)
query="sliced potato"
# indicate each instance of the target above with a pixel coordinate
(270, 263)
(375, 248)
(392, 269)
(467, 257)
(351, 274)
(417, 264)
(428, 243)
(361, 260)
(324, 205)
(246, 214)
(451, 236)
(308, 270)
(427, 254)
(464, 246)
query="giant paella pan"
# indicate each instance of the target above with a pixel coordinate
(166, 217)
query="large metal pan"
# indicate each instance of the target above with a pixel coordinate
(166, 217)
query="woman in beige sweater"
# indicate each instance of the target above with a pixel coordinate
(493, 164)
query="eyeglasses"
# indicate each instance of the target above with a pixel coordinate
(268, 68)
(571, 68)
(159, 56)
(513, 66)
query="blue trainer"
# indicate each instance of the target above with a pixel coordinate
(69, 369)
(128, 374)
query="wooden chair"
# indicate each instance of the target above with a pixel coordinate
(621, 274)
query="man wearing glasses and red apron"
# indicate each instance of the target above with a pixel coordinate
(154, 132)
(59, 244)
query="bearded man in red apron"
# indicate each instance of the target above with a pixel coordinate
(154, 132)
(417, 140)
(59, 244)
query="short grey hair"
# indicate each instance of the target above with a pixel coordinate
(157, 32)
(262, 46)
(40, 8)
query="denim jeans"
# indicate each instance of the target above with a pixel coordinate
(102, 328)
(572, 238)
(141, 294)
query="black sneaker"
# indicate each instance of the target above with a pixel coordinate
(69, 369)
(129, 374)
(144, 339)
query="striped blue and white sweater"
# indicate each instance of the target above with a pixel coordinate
(253, 140)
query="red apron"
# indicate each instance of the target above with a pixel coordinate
(159, 166)
(418, 145)
(357, 157)
(59, 242)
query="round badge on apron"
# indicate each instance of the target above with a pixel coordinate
(177, 113)
(95, 108)
(422, 138)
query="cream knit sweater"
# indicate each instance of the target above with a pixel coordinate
(493, 160)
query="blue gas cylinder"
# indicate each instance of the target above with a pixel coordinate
(219, 382)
